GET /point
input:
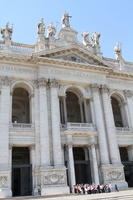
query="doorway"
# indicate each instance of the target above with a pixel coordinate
(21, 172)
(82, 165)
(128, 166)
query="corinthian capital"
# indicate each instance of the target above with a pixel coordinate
(6, 81)
(42, 82)
(95, 86)
(128, 93)
(54, 83)
(104, 88)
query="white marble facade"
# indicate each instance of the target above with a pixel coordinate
(58, 63)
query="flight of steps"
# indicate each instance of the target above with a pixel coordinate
(122, 195)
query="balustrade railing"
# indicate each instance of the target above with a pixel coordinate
(17, 47)
(84, 126)
(124, 130)
(21, 126)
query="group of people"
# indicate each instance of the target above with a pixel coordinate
(92, 188)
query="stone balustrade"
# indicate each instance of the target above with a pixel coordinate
(84, 126)
(21, 126)
(17, 48)
(124, 130)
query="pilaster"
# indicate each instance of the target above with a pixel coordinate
(5, 159)
(110, 126)
(129, 97)
(100, 125)
(95, 165)
(55, 114)
(44, 132)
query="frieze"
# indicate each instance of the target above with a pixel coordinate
(3, 181)
(16, 69)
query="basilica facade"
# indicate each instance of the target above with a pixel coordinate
(66, 113)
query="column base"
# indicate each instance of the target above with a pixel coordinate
(51, 181)
(114, 174)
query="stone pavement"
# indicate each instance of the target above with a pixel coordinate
(122, 195)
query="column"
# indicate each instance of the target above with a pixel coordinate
(81, 110)
(110, 126)
(32, 114)
(71, 165)
(95, 165)
(55, 116)
(100, 125)
(5, 159)
(129, 97)
(32, 161)
(65, 109)
(92, 111)
(130, 152)
(86, 113)
(44, 132)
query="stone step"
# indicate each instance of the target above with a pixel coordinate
(122, 195)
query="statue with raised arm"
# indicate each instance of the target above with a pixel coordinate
(65, 20)
(7, 33)
(41, 27)
(86, 41)
(118, 51)
(95, 39)
(51, 31)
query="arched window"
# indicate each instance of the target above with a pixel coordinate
(119, 112)
(73, 107)
(20, 106)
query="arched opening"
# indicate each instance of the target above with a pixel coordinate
(20, 106)
(82, 165)
(117, 112)
(73, 107)
(128, 165)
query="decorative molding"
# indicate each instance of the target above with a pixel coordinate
(54, 83)
(128, 93)
(5, 81)
(54, 177)
(95, 86)
(105, 88)
(42, 82)
(113, 173)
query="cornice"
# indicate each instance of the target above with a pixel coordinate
(41, 61)
(75, 48)
(120, 75)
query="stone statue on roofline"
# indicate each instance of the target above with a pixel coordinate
(86, 41)
(7, 33)
(118, 54)
(95, 39)
(51, 31)
(66, 20)
(41, 30)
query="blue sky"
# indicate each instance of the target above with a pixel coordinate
(112, 18)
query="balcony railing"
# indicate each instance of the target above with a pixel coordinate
(78, 126)
(124, 130)
(21, 126)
